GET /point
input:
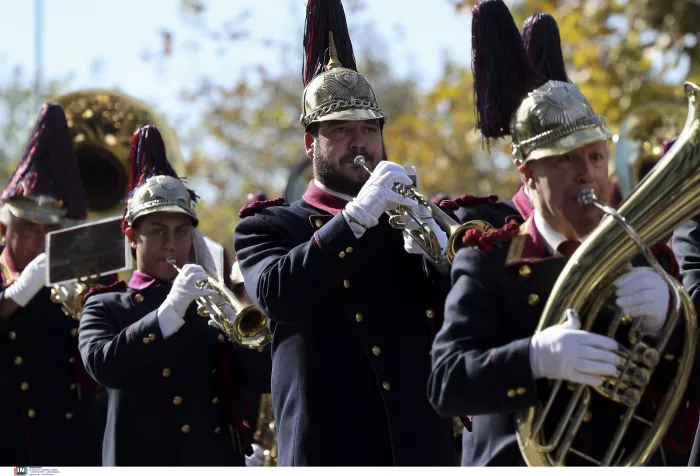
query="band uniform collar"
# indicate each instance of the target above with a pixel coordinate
(323, 199)
(141, 280)
(8, 270)
(528, 246)
(522, 202)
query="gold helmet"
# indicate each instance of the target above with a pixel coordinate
(334, 90)
(543, 116)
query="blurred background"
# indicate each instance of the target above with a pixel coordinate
(226, 76)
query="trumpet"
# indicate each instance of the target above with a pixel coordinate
(249, 326)
(424, 236)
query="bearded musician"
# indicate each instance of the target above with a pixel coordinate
(357, 351)
(172, 379)
(486, 361)
(42, 393)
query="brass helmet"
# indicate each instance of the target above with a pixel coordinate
(154, 186)
(555, 119)
(333, 89)
(640, 142)
(543, 116)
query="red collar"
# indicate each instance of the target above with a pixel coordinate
(141, 280)
(528, 246)
(523, 204)
(319, 198)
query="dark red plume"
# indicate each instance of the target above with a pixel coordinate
(323, 17)
(543, 44)
(503, 72)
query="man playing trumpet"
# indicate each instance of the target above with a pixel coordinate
(353, 314)
(172, 379)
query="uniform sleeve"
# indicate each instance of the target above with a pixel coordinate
(475, 369)
(113, 356)
(282, 276)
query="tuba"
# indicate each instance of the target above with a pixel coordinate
(249, 327)
(101, 124)
(664, 199)
(424, 236)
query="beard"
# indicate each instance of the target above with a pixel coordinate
(328, 173)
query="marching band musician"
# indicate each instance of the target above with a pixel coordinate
(353, 314)
(486, 361)
(43, 415)
(171, 379)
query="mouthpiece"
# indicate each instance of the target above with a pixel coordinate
(587, 197)
(171, 261)
(359, 161)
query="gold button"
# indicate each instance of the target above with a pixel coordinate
(348, 249)
(341, 254)
(215, 400)
(430, 313)
(533, 299)
(166, 372)
(177, 400)
(318, 223)
(73, 386)
(525, 271)
(151, 337)
(31, 413)
(511, 393)
(217, 430)
(146, 341)
(71, 360)
(74, 332)
(359, 317)
(185, 428)
(521, 391)
(587, 417)
(18, 360)
(386, 386)
(669, 357)
(626, 320)
(346, 283)
(24, 386)
(12, 335)
(138, 297)
(69, 416)
(376, 350)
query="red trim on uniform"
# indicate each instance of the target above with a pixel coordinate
(86, 383)
(116, 286)
(319, 198)
(467, 200)
(251, 207)
(467, 422)
(376, 376)
(522, 203)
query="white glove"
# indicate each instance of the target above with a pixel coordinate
(30, 282)
(257, 458)
(409, 244)
(565, 353)
(643, 293)
(377, 196)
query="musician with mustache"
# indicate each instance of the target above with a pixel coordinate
(353, 314)
(486, 361)
(171, 378)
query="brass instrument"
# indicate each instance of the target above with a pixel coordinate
(266, 432)
(101, 124)
(664, 199)
(640, 142)
(70, 296)
(248, 327)
(424, 236)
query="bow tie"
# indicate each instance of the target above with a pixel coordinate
(568, 247)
